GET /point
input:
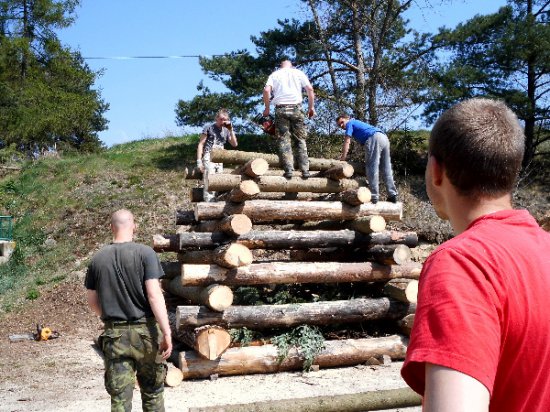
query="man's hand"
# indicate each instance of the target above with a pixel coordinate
(200, 166)
(228, 125)
(166, 347)
(266, 112)
(311, 112)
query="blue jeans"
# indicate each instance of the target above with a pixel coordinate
(377, 157)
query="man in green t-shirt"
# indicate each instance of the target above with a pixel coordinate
(124, 290)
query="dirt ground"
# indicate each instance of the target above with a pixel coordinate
(66, 374)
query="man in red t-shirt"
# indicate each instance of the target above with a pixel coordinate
(481, 336)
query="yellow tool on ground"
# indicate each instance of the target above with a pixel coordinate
(42, 334)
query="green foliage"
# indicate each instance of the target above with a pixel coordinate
(307, 340)
(329, 53)
(242, 335)
(32, 294)
(409, 149)
(247, 295)
(505, 56)
(46, 95)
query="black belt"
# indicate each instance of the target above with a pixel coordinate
(115, 322)
(288, 105)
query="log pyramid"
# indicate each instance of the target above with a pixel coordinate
(263, 230)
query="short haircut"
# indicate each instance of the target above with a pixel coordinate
(121, 218)
(480, 143)
(222, 112)
(342, 116)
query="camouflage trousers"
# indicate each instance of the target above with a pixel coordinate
(132, 350)
(289, 123)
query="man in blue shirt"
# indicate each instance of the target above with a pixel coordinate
(377, 154)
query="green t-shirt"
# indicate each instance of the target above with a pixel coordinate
(118, 273)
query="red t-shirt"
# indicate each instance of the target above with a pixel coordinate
(484, 310)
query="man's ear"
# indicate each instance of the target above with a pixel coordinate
(437, 171)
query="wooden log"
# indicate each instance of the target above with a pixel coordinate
(276, 239)
(253, 168)
(231, 255)
(216, 297)
(174, 376)
(404, 290)
(185, 217)
(389, 254)
(192, 172)
(352, 402)
(196, 194)
(234, 225)
(406, 324)
(224, 156)
(297, 184)
(296, 272)
(304, 196)
(356, 197)
(278, 316)
(276, 210)
(338, 172)
(224, 182)
(246, 190)
(264, 359)
(369, 224)
(209, 341)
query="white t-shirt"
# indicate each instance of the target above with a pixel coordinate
(287, 84)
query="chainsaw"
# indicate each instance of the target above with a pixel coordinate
(42, 333)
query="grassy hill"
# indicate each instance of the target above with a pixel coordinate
(62, 205)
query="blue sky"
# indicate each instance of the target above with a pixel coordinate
(143, 93)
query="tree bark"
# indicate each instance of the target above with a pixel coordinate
(276, 210)
(296, 272)
(338, 172)
(208, 341)
(231, 255)
(233, 225)
(246, 190)
(239, 157)
(279, 316)
(404, 290)
(406, 324)
(353, 402)
(277, 239)
(185, 217)
(264, 359)
(216, 297)
(356, 197)
(389, 254)
(253, 168)
(369, 224)
(224, 182)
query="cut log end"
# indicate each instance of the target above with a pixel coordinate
(174, 376)
(217, 297)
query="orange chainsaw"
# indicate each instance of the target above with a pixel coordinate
(42, 333)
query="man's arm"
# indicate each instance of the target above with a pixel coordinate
(448, 390)
(200, 149)
(158, 306)
(345, 148)
(232, 136)
(310, 101)
(267, 99)
(93, 301)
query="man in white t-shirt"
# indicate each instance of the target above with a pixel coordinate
(286, 84)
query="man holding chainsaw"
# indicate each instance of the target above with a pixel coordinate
(286, 84)
(124, 290)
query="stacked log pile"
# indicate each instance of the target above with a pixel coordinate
(264, 231)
